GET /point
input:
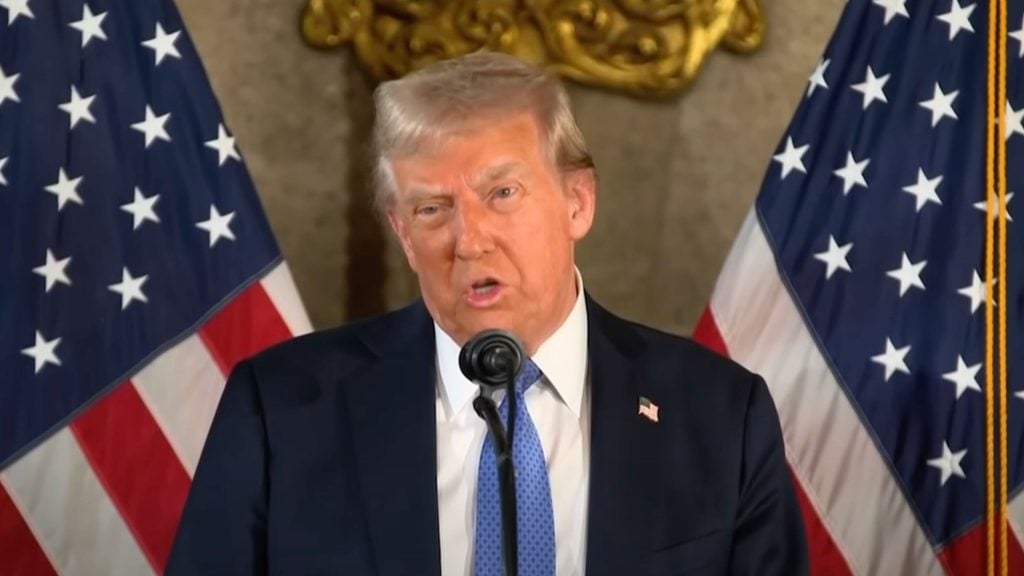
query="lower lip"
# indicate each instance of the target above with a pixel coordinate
(484, 299)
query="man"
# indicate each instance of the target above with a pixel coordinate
(357, 450)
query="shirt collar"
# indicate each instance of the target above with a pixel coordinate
(562, 358)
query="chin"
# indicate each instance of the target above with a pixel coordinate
(473, 321)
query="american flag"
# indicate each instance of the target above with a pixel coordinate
(856, 288)
(648, 409)
(136, 267)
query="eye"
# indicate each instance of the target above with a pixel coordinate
(505, 192)
(427, 210)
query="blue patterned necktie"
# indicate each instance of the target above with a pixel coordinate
(536, 538)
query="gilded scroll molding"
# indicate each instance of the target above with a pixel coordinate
(648, 48)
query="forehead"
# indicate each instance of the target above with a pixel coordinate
(486, 149)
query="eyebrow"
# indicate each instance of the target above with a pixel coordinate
(419, 192)
(497, 172)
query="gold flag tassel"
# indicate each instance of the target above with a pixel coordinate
(1001, 205)
(995, 403)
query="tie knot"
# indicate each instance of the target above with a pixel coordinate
(527, 376)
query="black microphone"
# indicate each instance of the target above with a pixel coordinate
(490, 359)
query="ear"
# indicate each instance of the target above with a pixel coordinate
(398, 226)
(581, 192)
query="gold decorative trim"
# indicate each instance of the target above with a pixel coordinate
(648, 48)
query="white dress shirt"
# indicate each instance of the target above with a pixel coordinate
(559, 405)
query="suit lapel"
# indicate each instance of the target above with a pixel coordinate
(622, 449)
(392, 410)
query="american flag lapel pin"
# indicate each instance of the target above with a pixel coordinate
(648, 409)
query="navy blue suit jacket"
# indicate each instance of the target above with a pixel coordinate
(322, 460)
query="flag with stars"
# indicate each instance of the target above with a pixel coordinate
(856, 288)
(136, 267)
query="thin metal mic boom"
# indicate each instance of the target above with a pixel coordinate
(490, 359)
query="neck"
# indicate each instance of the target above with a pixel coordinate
(567, 304)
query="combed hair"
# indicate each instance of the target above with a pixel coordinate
(423, 109)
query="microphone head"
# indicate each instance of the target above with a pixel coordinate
(492, 358)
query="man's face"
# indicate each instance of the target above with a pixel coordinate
(489, 224)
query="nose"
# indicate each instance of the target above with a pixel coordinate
(472, 236)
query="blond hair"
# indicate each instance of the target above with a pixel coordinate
(425, 108)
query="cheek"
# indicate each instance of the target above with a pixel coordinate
(431, 251)
(541, 245)
(556, 224)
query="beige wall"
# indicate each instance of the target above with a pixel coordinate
(677, 176)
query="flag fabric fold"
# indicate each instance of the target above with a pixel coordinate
(856, 288)
(136, 267)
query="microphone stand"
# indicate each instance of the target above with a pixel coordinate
(491, 359)
(485, 407)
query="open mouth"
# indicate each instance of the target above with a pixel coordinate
(484, 287)
(484, 292)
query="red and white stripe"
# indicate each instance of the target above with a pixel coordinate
(858, 521)
(103, 495)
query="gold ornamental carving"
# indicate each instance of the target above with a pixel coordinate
(648, 48)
